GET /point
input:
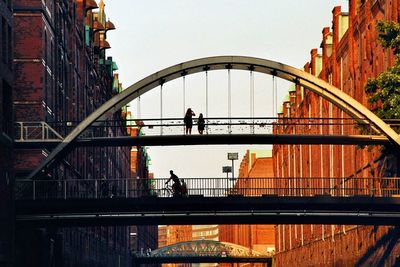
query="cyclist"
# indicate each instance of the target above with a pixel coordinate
(176, 187)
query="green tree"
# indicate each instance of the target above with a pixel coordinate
(384, 90)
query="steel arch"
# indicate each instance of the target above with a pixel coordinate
(204, 248)
(312, 83)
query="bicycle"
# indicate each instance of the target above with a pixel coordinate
(167, 191)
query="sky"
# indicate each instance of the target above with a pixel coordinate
(154, 34)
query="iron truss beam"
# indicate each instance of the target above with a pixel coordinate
(199, 251)
(178, 140)
(211, 210)
(204, 248)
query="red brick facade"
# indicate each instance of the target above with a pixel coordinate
(350, 55)
(62, 75)
(172, 234)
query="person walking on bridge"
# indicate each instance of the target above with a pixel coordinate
(188, 120)
(201, 123)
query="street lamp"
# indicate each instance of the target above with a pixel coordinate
(233, 156)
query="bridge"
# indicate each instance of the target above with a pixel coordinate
(170, 132)
(202, 251)
(342, 101)
(237, 139)
(353, 201)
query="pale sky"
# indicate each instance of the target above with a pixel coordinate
(154, 34)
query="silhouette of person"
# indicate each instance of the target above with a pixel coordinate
(176, 187)
(201, 123)
(184, 190)
(188, 121)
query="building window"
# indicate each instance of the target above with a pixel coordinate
(6, 43)
(3, 40)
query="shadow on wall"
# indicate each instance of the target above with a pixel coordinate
(389, 163)
(381, 250)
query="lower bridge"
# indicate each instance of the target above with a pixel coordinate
(210, 210)
(203, 251)
(351, 201)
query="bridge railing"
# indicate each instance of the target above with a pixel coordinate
(234, 125)
(208, 187)
(35, 130)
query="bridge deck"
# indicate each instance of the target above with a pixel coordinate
(212, 139)
(211, 210)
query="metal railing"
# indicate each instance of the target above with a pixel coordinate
(35, 130)
(208, 187)
(234, 125)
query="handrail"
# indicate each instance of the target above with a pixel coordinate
(219, 125)
(209, 187)
(35, 130)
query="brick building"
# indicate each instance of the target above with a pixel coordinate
(62, 74)
(350, 54)
(172, 234)
(261, 238)
(6, 134)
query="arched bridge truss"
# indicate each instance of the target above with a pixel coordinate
(330, 93)
(202, 251)
(206, 248)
